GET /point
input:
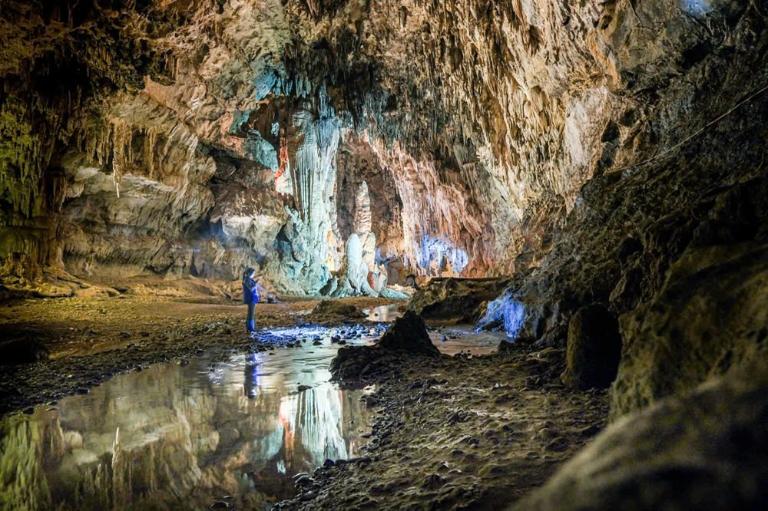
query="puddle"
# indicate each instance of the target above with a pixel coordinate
(449, 340)
(185, 437)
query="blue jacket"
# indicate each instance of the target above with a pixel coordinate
(250, 291)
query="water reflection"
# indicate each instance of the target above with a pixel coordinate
(183, 437)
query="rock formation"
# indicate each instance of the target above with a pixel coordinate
(704, 451)
(407, 337)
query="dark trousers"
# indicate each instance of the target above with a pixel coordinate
(250, 322)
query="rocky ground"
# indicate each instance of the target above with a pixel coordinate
(456, 432)
(460, 433)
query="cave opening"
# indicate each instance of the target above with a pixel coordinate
(344, 254)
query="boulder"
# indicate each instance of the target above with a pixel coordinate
(594, 348)
(704, 451)
(709, 318)
(356, 363)
(407, 336)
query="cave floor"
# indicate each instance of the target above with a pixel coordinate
(462, 432)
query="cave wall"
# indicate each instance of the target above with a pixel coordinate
(56, 59)
(449, 100)
(671, 237)
(493, 138)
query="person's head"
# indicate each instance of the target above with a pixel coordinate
(249, 273)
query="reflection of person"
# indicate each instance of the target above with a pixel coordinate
(251, 375)
(250, 298)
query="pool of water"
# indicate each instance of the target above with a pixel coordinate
(450, 340)
(186, 436)
(463, 339)
(202, 433)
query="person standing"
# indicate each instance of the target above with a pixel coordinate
(250, 298)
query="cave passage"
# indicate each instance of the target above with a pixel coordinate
(364, 254)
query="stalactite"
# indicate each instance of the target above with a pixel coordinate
(21, 155)
(150, 142)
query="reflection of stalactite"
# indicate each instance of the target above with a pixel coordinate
(313, 7)
(286, 416)
(119, 492)
(319, 420)
(94, 489)
(22, 452)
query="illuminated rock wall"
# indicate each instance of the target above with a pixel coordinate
(474, 125)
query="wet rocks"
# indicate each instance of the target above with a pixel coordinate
(704, 451)
(593, 349)
(407, 336)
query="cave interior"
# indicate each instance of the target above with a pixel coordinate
(510, 254)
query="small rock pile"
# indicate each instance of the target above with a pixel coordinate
(407, 336)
